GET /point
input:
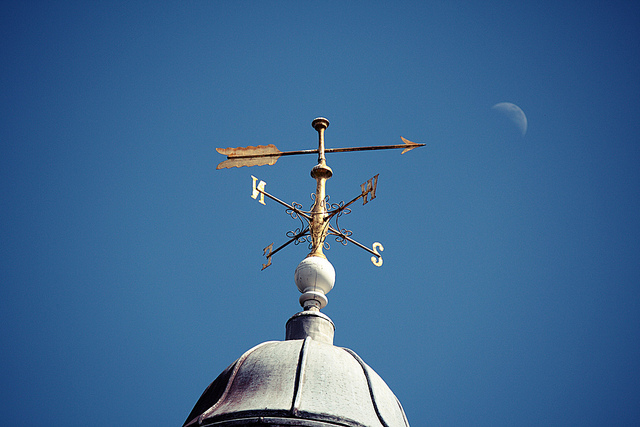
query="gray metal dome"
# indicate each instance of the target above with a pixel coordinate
(302, 381)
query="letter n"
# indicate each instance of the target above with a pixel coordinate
(258, 190)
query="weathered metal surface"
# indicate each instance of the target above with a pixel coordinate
(250, 151)
(251, 161)
(301, 382)
(249, 156)
(310, 323)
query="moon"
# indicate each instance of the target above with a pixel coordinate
(513, 112)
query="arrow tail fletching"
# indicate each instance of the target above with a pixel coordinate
(248, 161)
(249, 156)
(250, 151)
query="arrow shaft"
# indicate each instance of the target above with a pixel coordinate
(297, 236)
(327, 150)
(286, 205)
(273, 154)
(369, 148)
(349, 239)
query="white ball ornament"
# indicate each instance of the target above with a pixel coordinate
(315, 277)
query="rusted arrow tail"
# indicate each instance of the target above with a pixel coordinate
(249, 156)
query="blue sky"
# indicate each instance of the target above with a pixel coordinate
(130, 267)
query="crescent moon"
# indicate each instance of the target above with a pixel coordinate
(513, 112)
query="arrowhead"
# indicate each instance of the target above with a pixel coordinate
(410, 145)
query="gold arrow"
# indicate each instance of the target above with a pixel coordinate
(269, 154)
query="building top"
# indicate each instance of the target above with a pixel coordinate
(302, 381)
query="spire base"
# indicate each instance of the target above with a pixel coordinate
(310, 323)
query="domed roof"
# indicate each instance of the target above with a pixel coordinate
(299, 382)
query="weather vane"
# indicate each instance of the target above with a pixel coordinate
(315, 223)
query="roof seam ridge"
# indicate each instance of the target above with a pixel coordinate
(232, 377)
(297, 390)
(370, 386)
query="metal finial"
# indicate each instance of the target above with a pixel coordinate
(320, 122)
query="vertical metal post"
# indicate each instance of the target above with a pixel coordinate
(321, 173)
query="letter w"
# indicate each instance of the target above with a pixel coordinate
(369, 187)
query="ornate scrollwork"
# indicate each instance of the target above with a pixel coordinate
(316, 223)
(299, 235)
(337, 210)
(325, 202)
(341, 238)
(295, 211)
